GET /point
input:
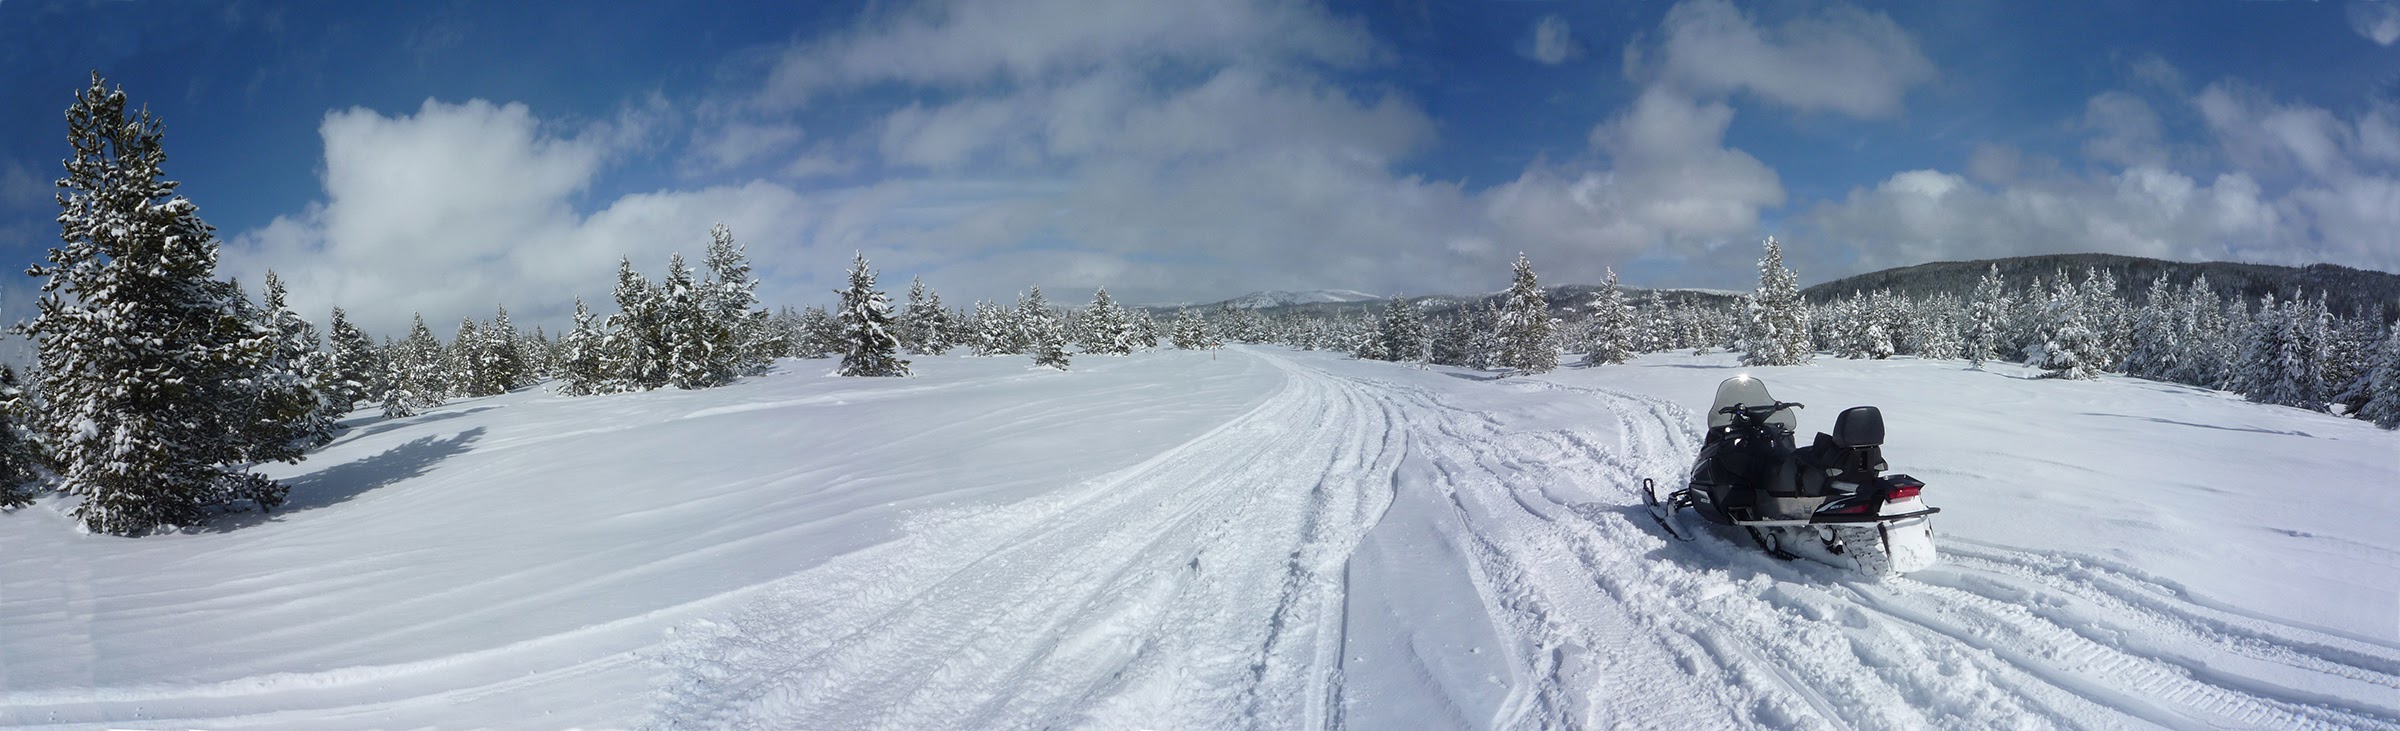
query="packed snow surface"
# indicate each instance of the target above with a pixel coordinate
(1253, 538)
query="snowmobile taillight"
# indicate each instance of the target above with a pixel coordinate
(1902, 487)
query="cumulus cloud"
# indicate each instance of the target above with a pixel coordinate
(2298, 184)
(956, 43)
(461, 207)
(2376, 20)
(1553, 43)
(1842, 59)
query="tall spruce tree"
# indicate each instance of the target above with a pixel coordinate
(2383, 384)
(415, 376)
(698, 347)
(1045, 337)
(147, 361)
(872, 348)
(1986, 309)
(1105, 328)
(738, 327)
(1402, 331)
(286, 413)
(1612, 325)
(929, 329)
(1778, 321)
(583, 356)
(637, 337)
(1525, 328)
(355, 373)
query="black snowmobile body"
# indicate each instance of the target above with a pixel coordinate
(1749, 474)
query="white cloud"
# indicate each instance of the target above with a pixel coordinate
(957, 43)
(461, 207)
(2376, 20)
(738, 143)
(1553, 43)
(1843, 59)
(2298, 184)
(2127, 131)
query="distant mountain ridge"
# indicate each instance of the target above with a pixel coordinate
(2347, 291)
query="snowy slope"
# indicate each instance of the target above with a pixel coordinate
(1262, 300)
(1253, 538)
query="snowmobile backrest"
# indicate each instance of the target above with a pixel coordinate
(1858, 426)
(1747, 391)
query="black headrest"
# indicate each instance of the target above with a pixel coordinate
(1858, 426)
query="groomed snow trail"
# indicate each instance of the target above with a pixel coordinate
(1213, 587)
(1202, 588)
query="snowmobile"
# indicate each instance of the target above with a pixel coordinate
(1829, 501)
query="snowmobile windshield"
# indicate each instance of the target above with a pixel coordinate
(1747, 391)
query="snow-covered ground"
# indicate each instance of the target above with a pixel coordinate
(1252, 538)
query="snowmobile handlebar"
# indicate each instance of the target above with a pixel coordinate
(1760, 412)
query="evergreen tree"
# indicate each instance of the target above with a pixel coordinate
(583, 356)
(737, 331)
(1525, 325)
(994, 330)
(1778, 323)
(1942, 341)
(1044, 336)
(637, 337)
(927, 323)
(2383, 384)
(1192, 332)
(871, 346)
(700, 349)
(1985, 311)
(355, 373)
(1105, 328)
(462, 362)
(20, 463)
(1657, 329)
(2155, 345)
(506, 364)
(147, 361)
(1612, 325)
(2069, 348)
(415, 376)
(285, 414)
(1402, 331)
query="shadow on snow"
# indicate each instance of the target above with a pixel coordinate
(339, 483)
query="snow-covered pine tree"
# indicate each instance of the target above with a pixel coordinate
(285, 413)
(2383, 384)
(583, 356)
(871, 347)
(1986, 310)
(699, 348)
(415, 378)
(2349, 353)
(1045, 338)
(2069, 349)
(636, 333)
(1524, 327)
(1144, 328)
(141, 349)
(20, 463)
(739, 333)
(1942, 341)
(462, 362)
(1105, 328)
(1402, 331)
(541, 356)
(1192, 331)
(928, 323)
(2106, 313)
(506, 364)
(1657, 329)
(2155, 346)
(1778, 323)
(2200, 327)
(355, 373)
(1612, 325)
(993, 328)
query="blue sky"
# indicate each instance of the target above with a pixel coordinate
(443, 157)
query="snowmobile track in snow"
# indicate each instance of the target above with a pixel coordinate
(1208, 588)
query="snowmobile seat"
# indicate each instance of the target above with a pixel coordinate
(1858, 426)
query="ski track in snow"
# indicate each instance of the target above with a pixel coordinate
(1205, 588)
